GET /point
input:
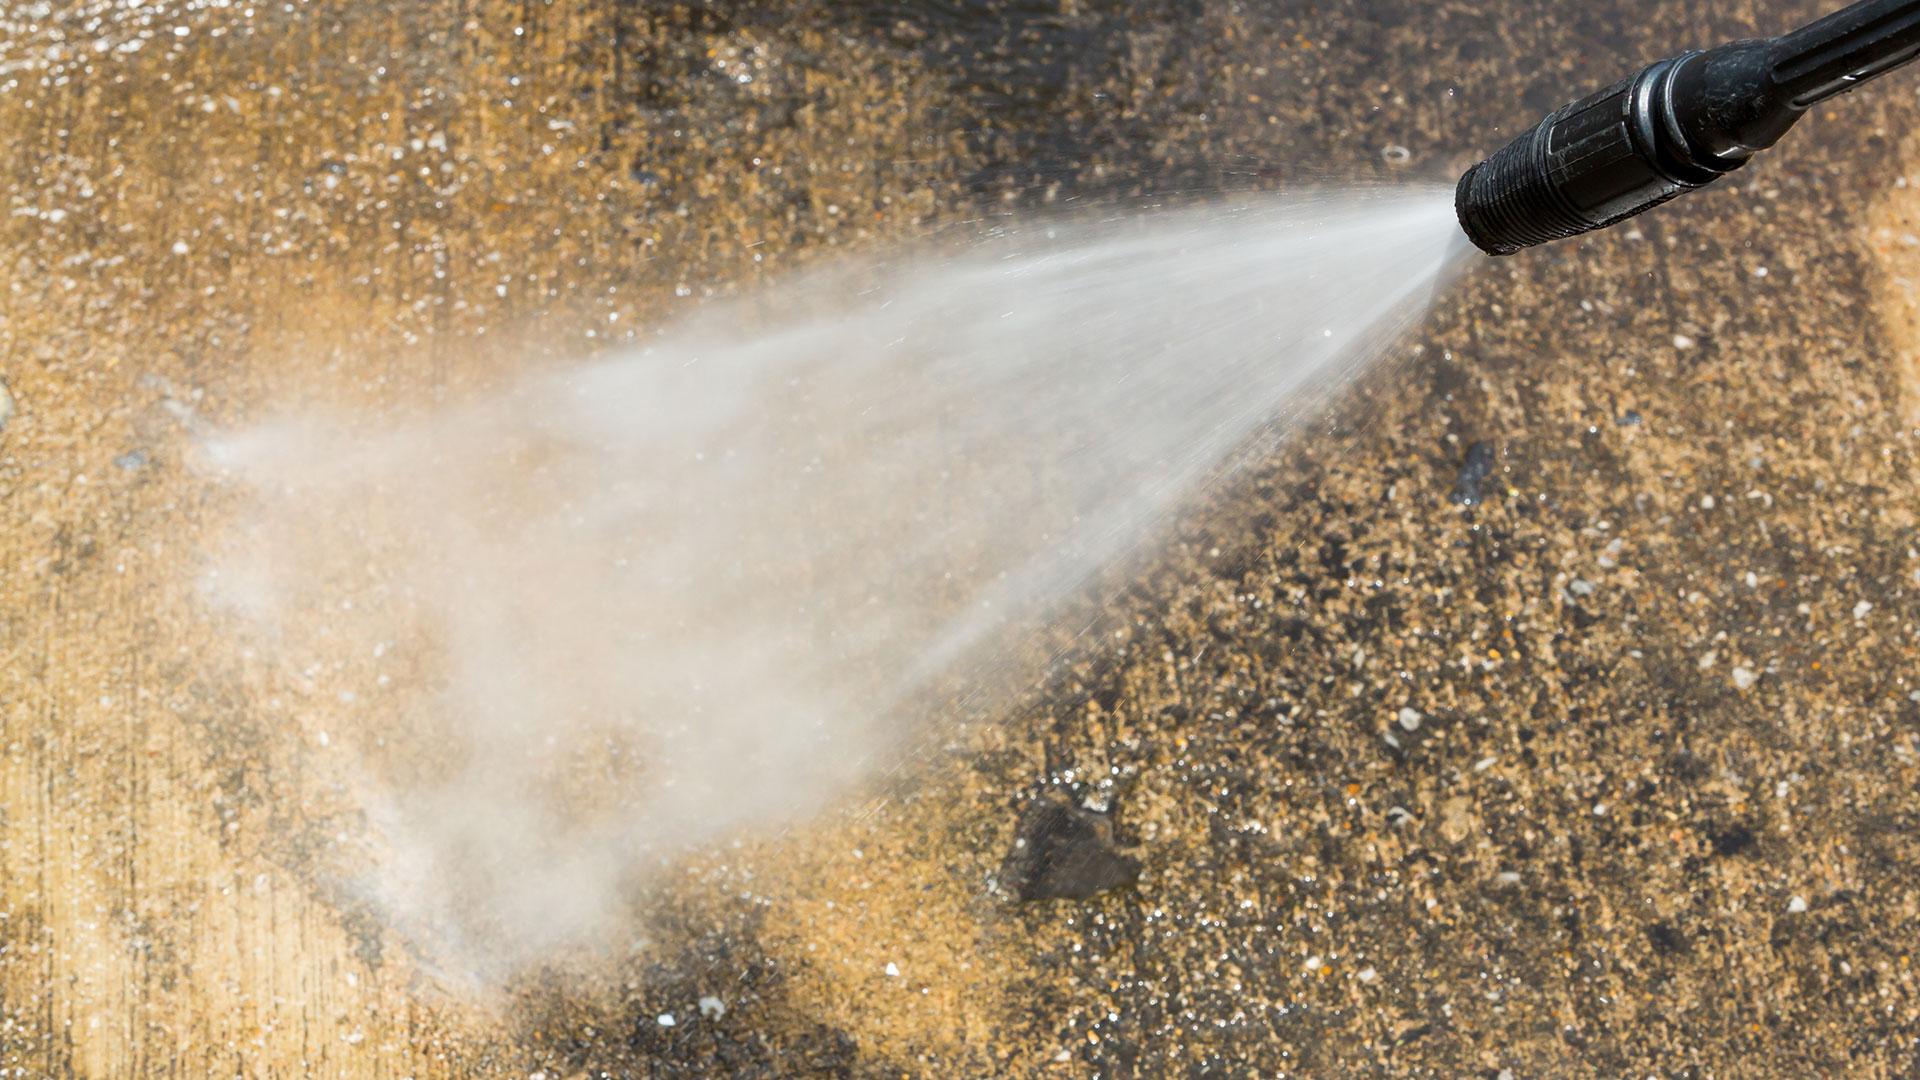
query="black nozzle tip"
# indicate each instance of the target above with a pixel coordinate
(1507, 203)
(1585, 166)
(1678, 124)
(1465, 209)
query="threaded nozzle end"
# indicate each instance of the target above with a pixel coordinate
(1607, 157)
(1509, 201)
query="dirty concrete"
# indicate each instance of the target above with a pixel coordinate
(1656, 815)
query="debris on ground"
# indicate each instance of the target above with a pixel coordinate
(1065, 852)
(1478, 466)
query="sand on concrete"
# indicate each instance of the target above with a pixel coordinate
(1657, 816)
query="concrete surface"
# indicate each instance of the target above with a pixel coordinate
(1657, 817)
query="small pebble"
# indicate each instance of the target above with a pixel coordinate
(664, 1020)
(1743, 678)
(1473, 472)
(712, 1007)
(1410, 719)
(1860, 609)
(1797, 905)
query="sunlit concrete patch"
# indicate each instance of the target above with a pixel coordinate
(1890, 236)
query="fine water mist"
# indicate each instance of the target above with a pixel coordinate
(622, 611)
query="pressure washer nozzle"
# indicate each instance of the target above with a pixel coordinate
(1681, 123)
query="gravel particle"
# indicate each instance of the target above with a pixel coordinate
(1065, 852)
(664, 1020)
(1797, 905)
(712, 1007)
(1410, 719)
(1473, 472)
(1744, 678)
(1860, 609)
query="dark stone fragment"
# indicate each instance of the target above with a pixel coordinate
(1065, 852)
(1668, 939)
(1411, 1033)
(1687, 765)
(1479, 466)
(1731, 840)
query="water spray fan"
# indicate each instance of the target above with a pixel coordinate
(1680, 124)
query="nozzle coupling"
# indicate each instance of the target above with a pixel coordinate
(1681, 123)
(1587, 165)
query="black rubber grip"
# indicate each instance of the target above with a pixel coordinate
(1839, 52)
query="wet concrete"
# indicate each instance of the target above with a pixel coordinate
(1654, 814)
